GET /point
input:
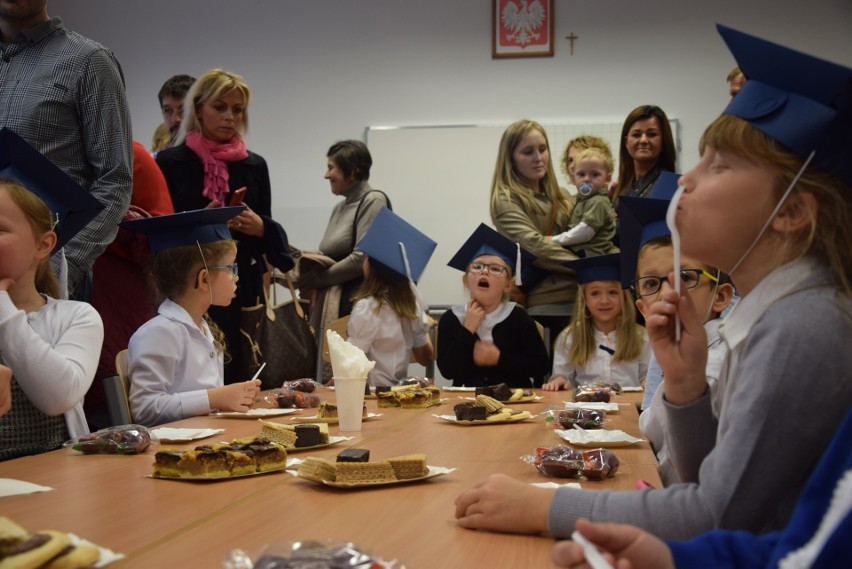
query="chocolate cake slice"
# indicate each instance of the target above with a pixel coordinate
(354, 455)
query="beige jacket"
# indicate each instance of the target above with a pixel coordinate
(530, 229)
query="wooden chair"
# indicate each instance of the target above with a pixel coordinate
(117, 387)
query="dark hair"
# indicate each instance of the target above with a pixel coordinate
(668, 152)
(175, 86)
(352, 158)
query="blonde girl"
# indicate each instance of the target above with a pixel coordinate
(603, 343)
(176, 359)
(51, 345)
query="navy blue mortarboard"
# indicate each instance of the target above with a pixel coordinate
(185, 228)
(486, 241)
(639, 221)
(70, 203)
(597, 268)
(382, 242)
(799, 100)
(665, 186)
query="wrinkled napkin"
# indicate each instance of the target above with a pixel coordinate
(347, 360)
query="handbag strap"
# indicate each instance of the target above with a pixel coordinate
(292, 288)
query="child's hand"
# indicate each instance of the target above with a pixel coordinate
(501, 503)
(485, 354)
(234, 397)
(5, 388)
(683, 363)
(556, 383)
(473, 316)
(622, 545)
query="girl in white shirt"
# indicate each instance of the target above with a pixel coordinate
(51, 345)
(603, 343)
(176, 359)
(388, 322)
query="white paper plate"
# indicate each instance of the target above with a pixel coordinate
(171, 435)
(433, 472)
(330, 420)
(597, 438)
(452, 388)
(530, 399)
(556, 485)
(633, 388)
(593, 406)
(331, 442)
(213, 479)
(522, 416)
(254, 413)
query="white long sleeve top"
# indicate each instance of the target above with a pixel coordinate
(601, 368)
(53, 353)
(172, 363)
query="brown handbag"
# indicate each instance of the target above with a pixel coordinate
(280, 336)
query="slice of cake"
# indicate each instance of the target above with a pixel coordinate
(308, 436)
(354, 455)
(166, 463)
(415, 399)
(470, 412)
(239, 463)
(327, 410)
(409, 466)
(203, 463)
(386, 399)
(365, 472)
(318, 468)
(284, 435)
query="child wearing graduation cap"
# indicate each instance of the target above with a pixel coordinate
(648, 255)
(769, 203)
(176, 359)
(603, 343)
(52, 345)
(389, 321)
(490, 340)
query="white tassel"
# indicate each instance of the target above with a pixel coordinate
(63, 275)
(421, 304)
(518, 266)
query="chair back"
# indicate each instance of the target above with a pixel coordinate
(338, 326)
(117, 388)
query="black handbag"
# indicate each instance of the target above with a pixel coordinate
(280, 336)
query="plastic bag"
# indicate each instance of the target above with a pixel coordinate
(289, 398)
(566, 462)
(306, 385)
(308, 555)
(123, 439)
(600, 392)
(567, 418)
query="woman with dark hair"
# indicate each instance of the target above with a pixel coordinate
(210, 164)
(647, 148)
(348, 172)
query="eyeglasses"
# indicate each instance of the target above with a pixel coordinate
(649, 286)
(493, 270)
(232, 268)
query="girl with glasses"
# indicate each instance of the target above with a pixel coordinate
(490, 340)
(176, 360)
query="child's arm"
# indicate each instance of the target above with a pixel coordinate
(54, 371)
(234, 397)
(423, 350)
(5, 390)
(363, 324)
(580, 233)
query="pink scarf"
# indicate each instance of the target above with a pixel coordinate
(214, 156)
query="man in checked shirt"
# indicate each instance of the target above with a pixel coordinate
(64, 94)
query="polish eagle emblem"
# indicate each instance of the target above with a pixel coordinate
(522, 20)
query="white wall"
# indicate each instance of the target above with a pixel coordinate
(323, 70)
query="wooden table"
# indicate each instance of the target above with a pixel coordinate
(166, 523)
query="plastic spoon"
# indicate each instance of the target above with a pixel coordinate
(671, 213)
(257, 373)
(593, 556)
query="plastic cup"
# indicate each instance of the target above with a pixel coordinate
(350, 402)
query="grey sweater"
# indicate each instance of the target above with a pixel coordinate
(338, 240)
(783, 391)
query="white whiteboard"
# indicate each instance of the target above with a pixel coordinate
(438, 178)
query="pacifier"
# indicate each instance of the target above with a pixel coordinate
(586, 189)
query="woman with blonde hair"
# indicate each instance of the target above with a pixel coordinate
(210, 153)
(529, 207)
